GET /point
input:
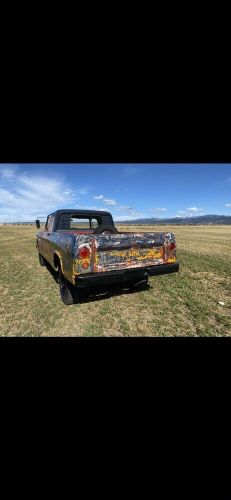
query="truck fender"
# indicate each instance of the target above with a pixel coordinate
(58, 262)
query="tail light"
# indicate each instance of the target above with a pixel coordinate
(169, 252)
(85, 265)
(84, 253)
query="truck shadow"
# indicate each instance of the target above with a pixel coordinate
(100, 293)
(106, 292)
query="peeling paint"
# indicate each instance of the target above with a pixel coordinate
(106, 251)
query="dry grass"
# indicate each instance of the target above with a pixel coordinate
(175, 305)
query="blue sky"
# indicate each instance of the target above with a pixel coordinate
(128, 191)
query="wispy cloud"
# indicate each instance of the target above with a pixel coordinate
(194, 209)
(109, 201)
(122, 208)
(104, 199)
(31, 195)
(88, 207)
(228, 205)
(7, 171)
(82, 191)
(129, 212)
(124, 217)
(190, 212)
(131, 170)
(157, 209)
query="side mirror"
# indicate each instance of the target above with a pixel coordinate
(37, 222)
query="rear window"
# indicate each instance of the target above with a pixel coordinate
(68, 222)
(79, 223)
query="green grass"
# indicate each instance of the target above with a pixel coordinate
(181, 304)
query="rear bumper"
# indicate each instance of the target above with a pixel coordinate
(124, 275)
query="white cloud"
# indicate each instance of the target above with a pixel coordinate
(194, 209)
(31, 195)
(190, 212)
(7, 171)
(130, 212)
(107, 201)
(228, 205)
(158, 209)
(70, 192)
(128, 217)
(7, 198)
(88, 207)
(121, 208)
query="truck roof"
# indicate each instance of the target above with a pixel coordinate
(82, 212)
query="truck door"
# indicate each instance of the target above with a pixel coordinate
(45, 246)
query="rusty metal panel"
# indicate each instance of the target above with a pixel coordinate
(124, 250)
(107, 251)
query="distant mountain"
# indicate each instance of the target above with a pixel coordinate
(200, 219)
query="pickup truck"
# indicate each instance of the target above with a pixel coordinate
(85, 249)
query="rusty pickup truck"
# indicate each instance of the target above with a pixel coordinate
(85, 249)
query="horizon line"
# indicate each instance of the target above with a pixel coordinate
(130, 220)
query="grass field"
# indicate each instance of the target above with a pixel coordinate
(181, 304)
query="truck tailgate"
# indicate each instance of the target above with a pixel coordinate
(132, 250)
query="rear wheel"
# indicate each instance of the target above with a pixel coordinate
(42, 260)
(67, 290)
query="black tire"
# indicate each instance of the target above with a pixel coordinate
(67, 290)
(42, 260)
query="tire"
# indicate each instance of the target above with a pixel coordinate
(67, 290)
(42, 260)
